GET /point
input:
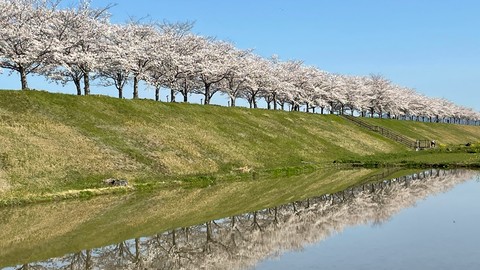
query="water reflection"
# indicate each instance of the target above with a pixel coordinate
(241, 241)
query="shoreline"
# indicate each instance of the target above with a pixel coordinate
(204, 181)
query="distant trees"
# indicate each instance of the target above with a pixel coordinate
(79, 44)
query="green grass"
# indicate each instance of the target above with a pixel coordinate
(52, 143)
(443, 134)
(419, 160)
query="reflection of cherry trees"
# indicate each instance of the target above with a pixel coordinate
(242, 240)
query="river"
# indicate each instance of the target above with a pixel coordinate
(383, 220)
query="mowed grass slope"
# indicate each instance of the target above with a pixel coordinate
(52, 142)
(443, 134)
(57, 142)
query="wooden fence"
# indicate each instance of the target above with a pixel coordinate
(416, 144)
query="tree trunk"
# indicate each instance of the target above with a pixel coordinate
(321, 110)
(119, 83)
(157, 93)
(23, 78)
(207, 93)
(76, 81)
(274, 101)
(86, 83)
(137, 249)
(185, 91)
(88, 260)
(209, 232)
(135, 87)
(172, 94)
(120, 92)
(232, 101)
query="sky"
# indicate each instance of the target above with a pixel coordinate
(431, 46)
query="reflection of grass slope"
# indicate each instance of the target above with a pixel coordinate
(41, 231)
(53, 142)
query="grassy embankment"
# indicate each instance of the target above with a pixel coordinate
(451, 142)
(53, 143)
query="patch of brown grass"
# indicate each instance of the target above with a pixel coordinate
(39, 151)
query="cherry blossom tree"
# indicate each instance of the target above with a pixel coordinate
(72, 56)
(279, 85)
(291, 73)
(25, 33)
(259, 80)
(276, 87)
(114, 67)
(304, 80)
(240, 76)
(162, 57)
(142, 39)
(378, 94)
(213, 63)
(81, 36)
(354, 87)
(175, 67)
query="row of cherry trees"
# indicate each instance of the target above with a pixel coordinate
(79, 44)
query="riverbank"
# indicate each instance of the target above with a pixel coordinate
(61, 144)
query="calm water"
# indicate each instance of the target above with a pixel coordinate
(440, 231)
(428, 220)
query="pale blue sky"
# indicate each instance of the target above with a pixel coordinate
(432, 46)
